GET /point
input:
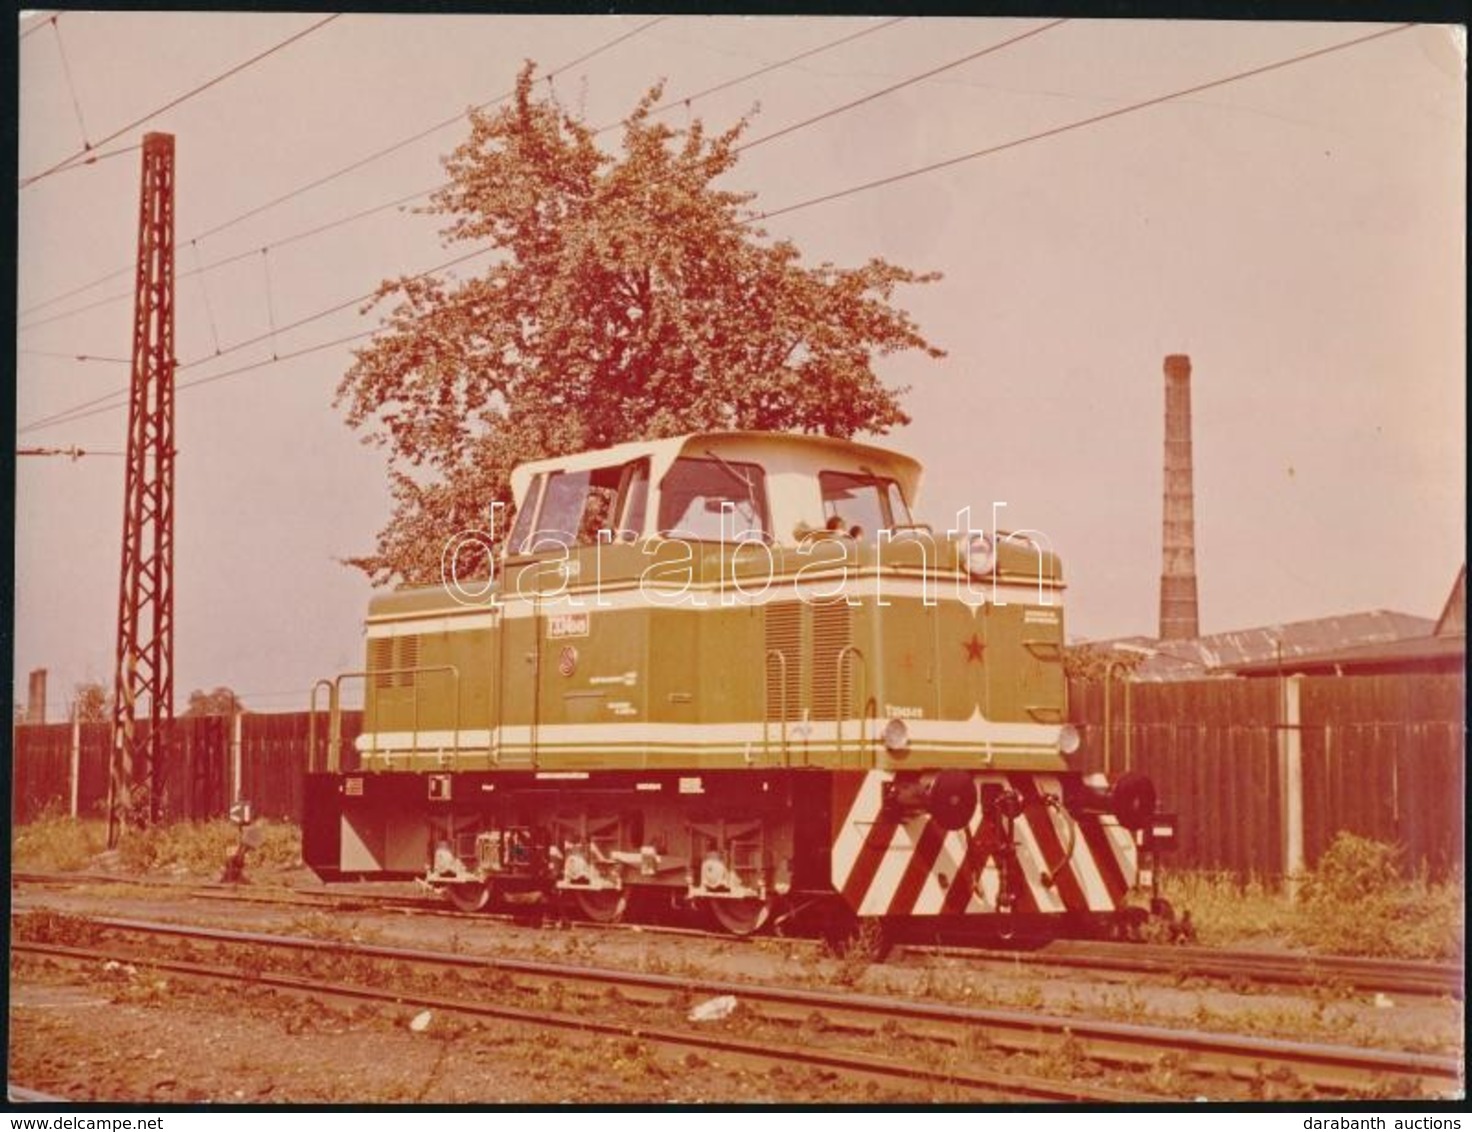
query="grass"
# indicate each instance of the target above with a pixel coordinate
(1355, 901)
(1227, 910)
(55, 843)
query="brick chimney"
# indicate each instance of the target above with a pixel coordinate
(1178, 613)
(36, 697)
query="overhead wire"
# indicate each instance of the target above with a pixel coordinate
(94, 158)
(300, 189)
(74, 452)
(101, 404)
(74, 357)
(106, 300)
(685, 100)
(270, 305)
(71, 87)
(41, 22)
(111, 275)
(204, 291)
(201, 267)
(98, 404)
(120, 397)
(94, 406)
(672, 104)
(847, 106)
(67, 162)
(1079, 124)
(334, 309)
(358, 164)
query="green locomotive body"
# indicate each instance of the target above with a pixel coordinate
(728, 671)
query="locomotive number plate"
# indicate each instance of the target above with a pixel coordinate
(567, 625)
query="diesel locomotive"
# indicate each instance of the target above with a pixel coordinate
(728, 674)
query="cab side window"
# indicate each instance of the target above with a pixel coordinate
(521, 530)
(570, 508)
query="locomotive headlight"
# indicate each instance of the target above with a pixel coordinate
(979, 553)
(896, 737)
(1069, 740)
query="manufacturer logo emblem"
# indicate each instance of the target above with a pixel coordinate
(567, 662)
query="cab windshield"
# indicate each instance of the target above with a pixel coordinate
(567, 509)
(714, 501)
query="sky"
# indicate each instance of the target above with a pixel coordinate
(1300, 233)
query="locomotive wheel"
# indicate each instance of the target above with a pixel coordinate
(603, 905)
(469, 897)
(740, 917)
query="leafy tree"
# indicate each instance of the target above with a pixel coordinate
(627, 297)
(1091, 663)
(221, 701)
(92, 702)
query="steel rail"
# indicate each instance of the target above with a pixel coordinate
(1394, 976)
(1330, 1068)
(1391, 976)
(997, 1084)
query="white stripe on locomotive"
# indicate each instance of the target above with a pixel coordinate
(855, 829)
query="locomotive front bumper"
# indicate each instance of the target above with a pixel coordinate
(956, 843)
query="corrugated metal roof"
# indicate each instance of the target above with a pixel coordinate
(1420, 651)
(1218, 652)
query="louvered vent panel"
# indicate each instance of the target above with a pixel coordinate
(831, 635)
(784, 636)
(408, 657)
(381, 657)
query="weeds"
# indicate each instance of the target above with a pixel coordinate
(55, 842)
(59, 928)
(1068, 1059)
(331, 929)
(1227, 909)
(1356, 902)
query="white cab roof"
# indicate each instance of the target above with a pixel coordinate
(775, 451)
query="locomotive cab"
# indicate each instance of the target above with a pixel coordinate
(728, 672)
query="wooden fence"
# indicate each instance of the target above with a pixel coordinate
(1264, 772)
(62, 768)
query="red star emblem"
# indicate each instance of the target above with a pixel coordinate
(974, 648)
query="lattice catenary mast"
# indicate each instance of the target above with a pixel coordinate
(145, 650)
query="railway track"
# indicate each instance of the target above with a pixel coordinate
(964, 1082)
(978, 1036)
(1233, 967)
